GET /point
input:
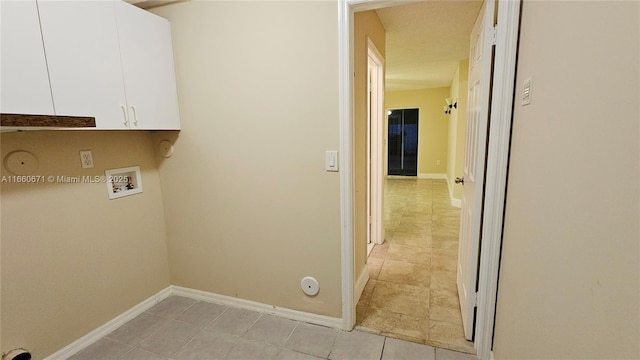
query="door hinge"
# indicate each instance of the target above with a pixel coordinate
(494, 34)
(475, 299)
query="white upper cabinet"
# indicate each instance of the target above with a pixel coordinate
(148, 68)
(83, 57)
(112, 61)
(23, 73)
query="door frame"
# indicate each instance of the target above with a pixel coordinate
(375, 148)
(508, 18)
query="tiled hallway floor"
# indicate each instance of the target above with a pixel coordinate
(412, 292)
(180, 328)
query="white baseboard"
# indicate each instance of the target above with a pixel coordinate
(432, 176)
(361, 283)
(258, 307)
(107, 328)
(145, 305)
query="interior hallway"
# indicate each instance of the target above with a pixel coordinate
(412, 293)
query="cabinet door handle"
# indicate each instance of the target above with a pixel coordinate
(126, 117)
(135, 115)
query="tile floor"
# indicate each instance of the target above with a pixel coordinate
(180, 328)
(412, 292)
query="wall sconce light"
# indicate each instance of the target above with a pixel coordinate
(451, 104)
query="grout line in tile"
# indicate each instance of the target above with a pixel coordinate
(253, 324)
(187, 343)
(291, 333)
(384, 342)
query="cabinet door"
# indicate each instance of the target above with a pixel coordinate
(147, 63)
(23, 73)
(83, 56)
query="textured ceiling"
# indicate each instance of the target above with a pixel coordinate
(425, 41)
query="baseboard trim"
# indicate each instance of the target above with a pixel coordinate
(258, 307)
(432, 176)
(107, 328)
(361, 283)
(145, 305)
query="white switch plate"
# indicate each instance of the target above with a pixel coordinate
(331, 160)
(526, 92)
(86, 159)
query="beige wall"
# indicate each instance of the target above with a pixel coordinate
(67, 247)
(366, 25)
(433, 125)
(569, 279)
(250, 208)
(457, 129)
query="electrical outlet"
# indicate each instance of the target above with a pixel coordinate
(86, 159)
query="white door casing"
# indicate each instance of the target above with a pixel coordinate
(375, 149)
(480, 64)
(370, 112)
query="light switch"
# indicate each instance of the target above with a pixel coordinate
(526, 92)
(331, 163)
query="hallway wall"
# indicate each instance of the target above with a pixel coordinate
(457, 129)
(250, 208)
(366, 25)
(432, 125)
(569, 278)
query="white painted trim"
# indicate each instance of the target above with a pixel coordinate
(107, 328)
(145, 305)
(496, 173)
(345, 104)
(432, 176)
(257, 307)
(364, 5)
(375, 140)
(361, 283)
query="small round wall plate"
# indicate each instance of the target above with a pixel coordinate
(166, 148)
(21, 162)
(310, 286)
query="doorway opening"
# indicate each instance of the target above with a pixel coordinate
(402, 134)
(505, 40)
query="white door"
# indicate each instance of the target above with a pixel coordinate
(480, 61)
(83, 57)
(147, 64)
